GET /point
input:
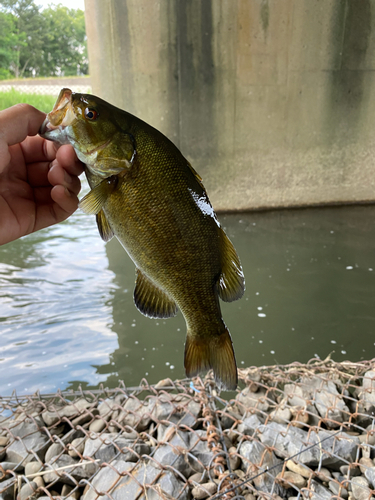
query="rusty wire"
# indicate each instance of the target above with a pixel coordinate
(302, 430)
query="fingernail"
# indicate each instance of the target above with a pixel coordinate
(52, 164)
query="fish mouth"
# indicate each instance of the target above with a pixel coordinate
(61, 116)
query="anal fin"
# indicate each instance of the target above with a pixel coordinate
(231, 284)
(151, 300)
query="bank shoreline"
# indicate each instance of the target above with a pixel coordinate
(297, 430)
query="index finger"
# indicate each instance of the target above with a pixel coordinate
(19, 121)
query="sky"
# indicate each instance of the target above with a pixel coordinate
(71, 4)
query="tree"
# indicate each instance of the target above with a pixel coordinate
(10, 42)
(29, 30)
(35, 42)
(64, 40)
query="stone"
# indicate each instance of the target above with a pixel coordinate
(295, 396)
(234, 458)
(253, 400)
(107, 406)
(31, 438)
(290, 479)
(365, 463)
(199, 449)
(366, 394)
(128, 486)
(249, 425)
(318, 492)
(71, 435)
(299, 398)
(281, 415)
(97, 425)
(178, 409)
(4, 440)
(230, 416)
(360, 488)
(300, 418)
(27, 490)
(77, 447)
(366, 451)
(77, 471)
(350, 471)
(198, 477)
(301, 469)
(39, 481)
(337, 489)
(67, 490)
(16, 467)
(367, 438)
(204, 490)
(33, 468)
(256, 454)
(289, 441)
(174, 453)
(370, 476)
(107, 446)
(85, 417)
(328, 401)
(323, 474)
(7, 489)
(136, 414)
(70, 410)
(54, 450)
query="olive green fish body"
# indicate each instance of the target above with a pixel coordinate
(157, 207)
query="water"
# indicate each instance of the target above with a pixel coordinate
(67, 315)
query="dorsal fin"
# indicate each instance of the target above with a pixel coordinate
(231, 284)
(105, 230)
(151, 300)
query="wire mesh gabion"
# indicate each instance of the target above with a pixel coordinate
(291, 431)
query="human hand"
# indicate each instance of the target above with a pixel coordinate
(38, 180)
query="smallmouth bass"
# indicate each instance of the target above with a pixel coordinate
(144, 192)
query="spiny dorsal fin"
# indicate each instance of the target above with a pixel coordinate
(151, 300)
(232, 280)
(105, 230)
(93, 202)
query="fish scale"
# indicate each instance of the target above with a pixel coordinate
(146, 194)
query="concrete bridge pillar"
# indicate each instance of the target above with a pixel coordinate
(272, 101)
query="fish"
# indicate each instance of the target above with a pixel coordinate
(147, 194)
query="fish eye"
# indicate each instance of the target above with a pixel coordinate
(91, 114)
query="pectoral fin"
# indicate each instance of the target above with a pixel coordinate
(105, 230)
(232, 281)
(93, 202)
(151, 300)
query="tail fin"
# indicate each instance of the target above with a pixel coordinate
(214, 352)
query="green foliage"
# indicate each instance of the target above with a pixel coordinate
(10, 41)
(35, 42)
(43, 102)
(64, 41)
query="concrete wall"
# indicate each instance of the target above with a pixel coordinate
(273, 101)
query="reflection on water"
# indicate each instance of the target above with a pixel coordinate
(67, 316)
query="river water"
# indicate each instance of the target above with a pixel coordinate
(67, 317)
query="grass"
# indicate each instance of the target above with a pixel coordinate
(10, 97)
